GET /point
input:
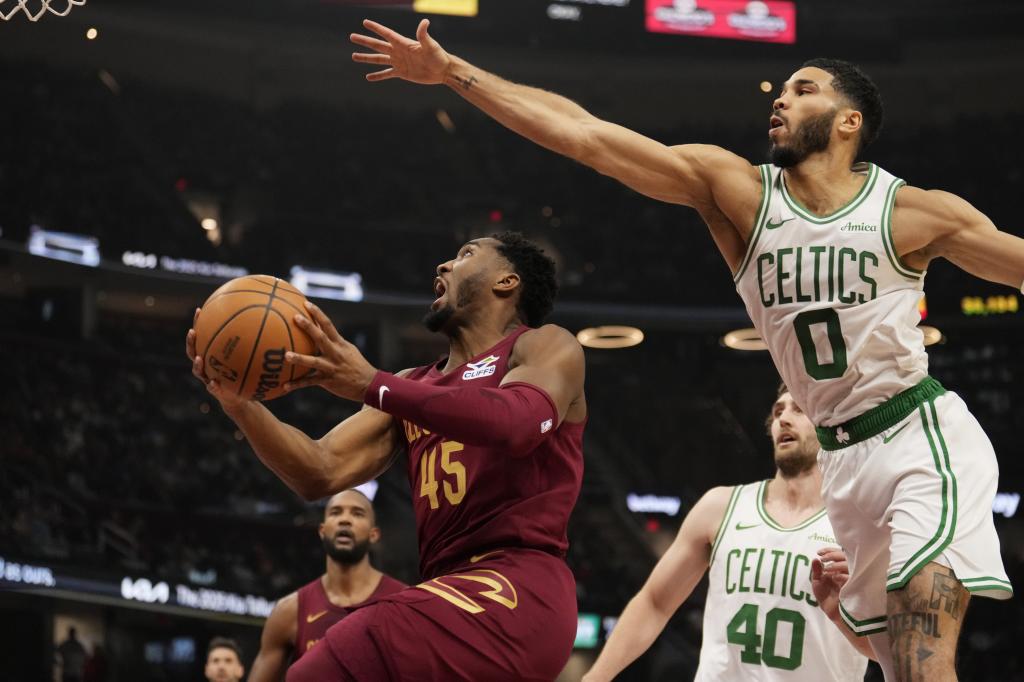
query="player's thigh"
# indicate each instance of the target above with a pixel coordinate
(924, 619)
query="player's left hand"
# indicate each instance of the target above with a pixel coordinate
(339, 368)
(829, 572)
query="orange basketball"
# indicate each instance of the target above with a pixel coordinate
(244, 330)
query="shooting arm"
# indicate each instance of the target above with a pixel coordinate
(517, 416)
(353, 452)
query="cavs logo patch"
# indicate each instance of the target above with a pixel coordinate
(484, 368)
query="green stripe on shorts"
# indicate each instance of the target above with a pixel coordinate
(947, 521)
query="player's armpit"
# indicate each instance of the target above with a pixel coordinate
(277, 641)
(936, 224)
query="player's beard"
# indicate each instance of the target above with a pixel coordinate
(799, 462)
(436, 320)
(811, 136)
(347, 556)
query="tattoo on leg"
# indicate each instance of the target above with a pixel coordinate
(947, 594)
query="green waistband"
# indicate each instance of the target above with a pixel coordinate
(878, 418)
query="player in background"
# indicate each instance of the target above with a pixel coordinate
(829, 257)
(300, 619)
(224, 661)
(493, 438)
(768, 545)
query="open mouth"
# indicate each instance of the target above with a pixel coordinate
(774, 123)
(439, 290)
(787, 438)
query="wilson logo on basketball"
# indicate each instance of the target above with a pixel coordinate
(273, 363)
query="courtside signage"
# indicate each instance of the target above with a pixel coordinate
(773, 21)
(52, 581)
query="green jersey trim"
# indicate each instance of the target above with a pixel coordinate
(762, 492)
(947, 519)
(890, 246)
(725, 522)
(868, 626)
(762, 211)
(798, 208)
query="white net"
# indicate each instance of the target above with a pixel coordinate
(35, 9)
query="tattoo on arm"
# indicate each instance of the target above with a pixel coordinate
(466, 83)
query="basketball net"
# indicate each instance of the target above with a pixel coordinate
(8, 8)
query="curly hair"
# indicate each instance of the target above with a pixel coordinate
(855, 85)
(536, 272)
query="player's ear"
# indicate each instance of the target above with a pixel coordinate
(850, 122)
(374, 535)
(320, 530)
(507, 282)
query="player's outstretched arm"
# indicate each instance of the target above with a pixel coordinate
(544, 383)
(691, 175)
(277, 641)
(829, 572)
(671, 582)
(931, 224)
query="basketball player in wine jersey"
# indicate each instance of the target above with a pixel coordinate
(493, 438)
(829, 257)
(301, 619)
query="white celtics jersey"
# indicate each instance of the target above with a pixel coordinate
(761, 621)
(830, 296)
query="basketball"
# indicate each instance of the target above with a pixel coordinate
(245, 328)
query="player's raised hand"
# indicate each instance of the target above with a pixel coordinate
(419, 61)
(829, 572)
(339, 368)
(228, 399)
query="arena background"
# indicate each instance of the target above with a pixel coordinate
(182, 143)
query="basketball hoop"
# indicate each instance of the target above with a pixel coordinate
(8, 8)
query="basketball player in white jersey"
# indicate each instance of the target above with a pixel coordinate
(768, 548)
(829, 258)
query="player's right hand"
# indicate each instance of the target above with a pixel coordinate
(227, 399)
(420, 61)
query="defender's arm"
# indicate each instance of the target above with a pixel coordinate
(671, 582)
(930, 224)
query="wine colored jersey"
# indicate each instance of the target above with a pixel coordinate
(316, 612)
(469, 499)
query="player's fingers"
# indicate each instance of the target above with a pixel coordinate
(190, 344)
(816, 569)
(372, 43)
(197, 368)
(312, 361)
(380, 75)
(840, 579)
(313, 329)
(323, 321)
(369, 58)
(831, 554)
(385, 32)
(421, 31)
